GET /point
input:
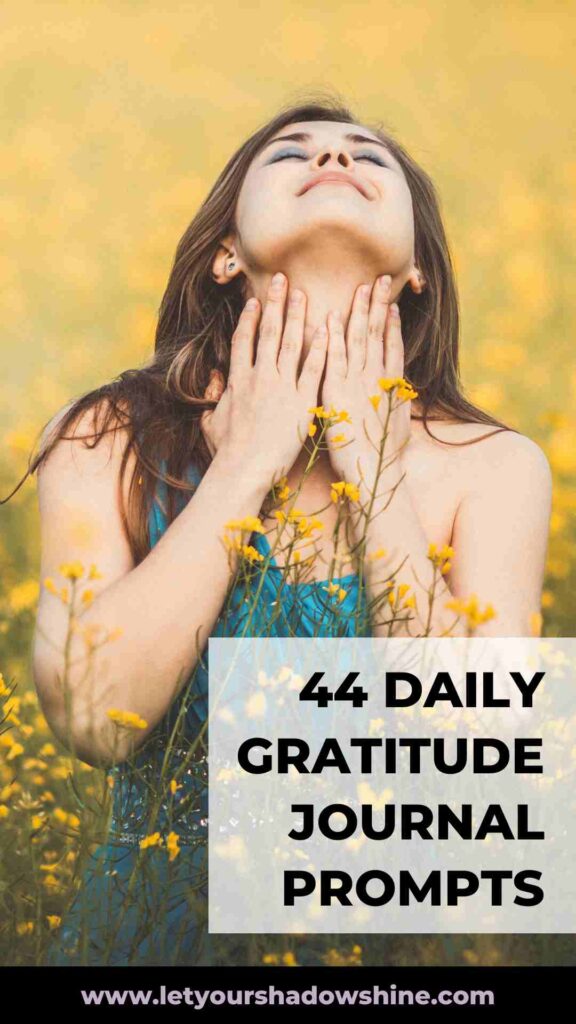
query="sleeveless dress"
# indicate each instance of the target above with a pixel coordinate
(157, 914)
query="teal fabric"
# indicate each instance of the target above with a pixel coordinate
(115, 910)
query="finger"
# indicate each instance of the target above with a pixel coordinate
(272, 323)
(242, 348)
(374, 365)
(393, 344)
(314, 363)
(357, 327)
(293, 336)
(337, 360)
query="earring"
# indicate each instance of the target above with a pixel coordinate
(231, 266)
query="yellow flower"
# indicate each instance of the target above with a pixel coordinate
(441, 558)
(251, 523)
(47, 750)
(410, 602)
(404, 389)
(94, 574)
(289, 960)
(341, 489)
(270, 958)
(87, 596)
(341, 594)
(4, 811)
(174, 785)
(379, 553)
(153, 840)
(387, 383)
(338, 439)
(24, 596)
(251, 553)
(375, 399)
(406, 394)
(172, 845)
(471, 610)
(536, 620)
(72, 570)
(37, 821)
(312, 430)
(15, 750)
(25, 927)
(127, 719)
(54, 921)
(330, 414)
(53, 589)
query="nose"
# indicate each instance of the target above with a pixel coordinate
(335, 154)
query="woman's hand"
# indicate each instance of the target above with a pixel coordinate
(262, 416)
(372, 350)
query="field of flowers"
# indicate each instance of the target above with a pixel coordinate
(118, 119)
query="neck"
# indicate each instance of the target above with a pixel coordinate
(328, 281)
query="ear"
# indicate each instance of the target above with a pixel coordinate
(226, 263)
(416, 280)
(216, 386)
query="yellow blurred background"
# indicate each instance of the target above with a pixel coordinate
(119, 115)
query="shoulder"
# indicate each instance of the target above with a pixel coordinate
(510, 459)
(484, 445)
(506, 468)
(479, 460)
(86, 446)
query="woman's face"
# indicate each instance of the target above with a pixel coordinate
(291, 197)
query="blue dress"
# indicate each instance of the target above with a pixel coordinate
(146, 906)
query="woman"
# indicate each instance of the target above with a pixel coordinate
(314, 278)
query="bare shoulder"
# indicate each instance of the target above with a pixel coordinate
(75, 455)
(78, 485)
(484, 455)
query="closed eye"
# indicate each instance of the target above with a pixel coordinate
(286, 154)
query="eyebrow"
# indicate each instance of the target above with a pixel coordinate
(350, 136)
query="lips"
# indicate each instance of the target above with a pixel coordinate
(334, 177)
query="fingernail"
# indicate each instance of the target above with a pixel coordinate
(394, 309)
(321, 330)
(252, 303)
(365, 291)
(385, 281)
(278, 278)
(296, 297)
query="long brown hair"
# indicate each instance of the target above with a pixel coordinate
(160, 403)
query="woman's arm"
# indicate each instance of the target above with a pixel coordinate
(166, 606)
(163, 606)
